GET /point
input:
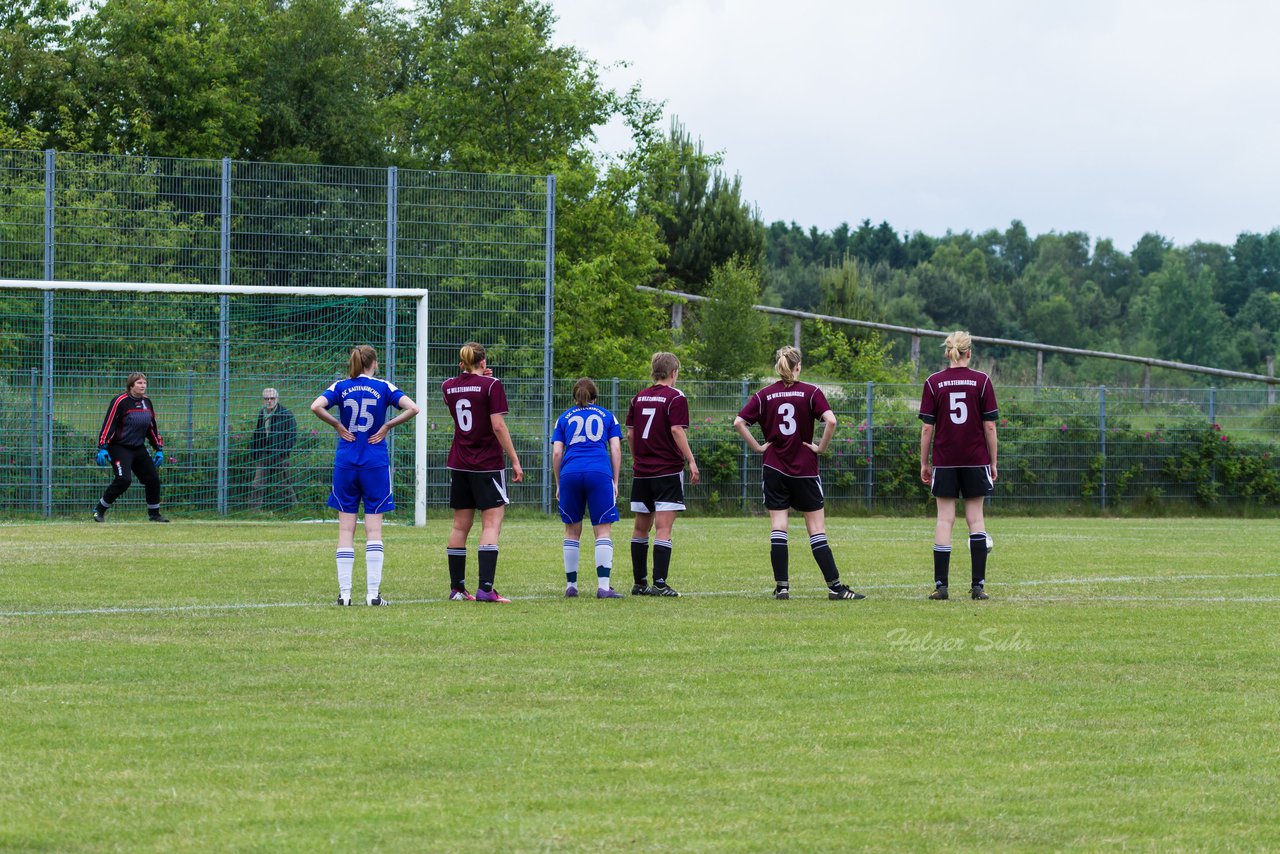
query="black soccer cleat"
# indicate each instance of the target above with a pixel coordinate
(344, 600)
(976, 592)
(640, 589)
(661, 590)
(781, 593)
(156, 517)
(940, 594)
(99, 515)
(376, 601)
(843, 591)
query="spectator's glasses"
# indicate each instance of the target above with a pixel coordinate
(268, 398)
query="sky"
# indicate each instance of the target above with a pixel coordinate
(1112, 118)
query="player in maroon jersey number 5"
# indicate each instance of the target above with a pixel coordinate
(786, 412)
(478, 404)
(958, 457)
(656, 422)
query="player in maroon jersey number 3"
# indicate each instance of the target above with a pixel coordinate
(958, 457)
(656, 422)
(478, 405)
(786, 412)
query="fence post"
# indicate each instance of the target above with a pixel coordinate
(46, 414)
(915, 358)
(1039, 370)
(795, 333)
(191, 415)
(613, 404)
(35, 440)
(224, 339)
(1271, 387)
(871, 458)
(1213, 409)
(1146, 386)
(548, 346)
(389, 333)
(677, 315)
(742, 469)
(1102, 444)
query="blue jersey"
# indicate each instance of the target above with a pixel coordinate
(363, 404)
(585, 432)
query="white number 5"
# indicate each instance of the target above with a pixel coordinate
(959, 409)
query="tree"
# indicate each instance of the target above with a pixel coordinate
(488, 91)
(36, 91)
(1184, 320)
(700, 211)
(732, 336)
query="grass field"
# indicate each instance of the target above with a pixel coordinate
(190, 687)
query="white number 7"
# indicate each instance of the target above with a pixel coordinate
(644, 434)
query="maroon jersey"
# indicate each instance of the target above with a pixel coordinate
(651, 415)
(956, 401)
(471, 399)
(130, 421)
(786, 414)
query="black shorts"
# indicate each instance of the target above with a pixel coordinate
(651, 494)
(962, 482)
(784, 492)
(478, 490)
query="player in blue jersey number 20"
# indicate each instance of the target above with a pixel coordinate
(361, 465)
(586, 459)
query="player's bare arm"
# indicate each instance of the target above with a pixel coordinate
(557, 457)
(989, 431)
(320, 407)
(408, 409)
(744, 430)
(828, 432)
(926, 446)
(500, 430)
(682, 442)
(615, 457)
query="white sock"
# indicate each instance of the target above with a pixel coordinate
(346, 562)
(604, 561)
(571, 550)
(373, 567)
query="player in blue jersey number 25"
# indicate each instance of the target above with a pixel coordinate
(361, 465)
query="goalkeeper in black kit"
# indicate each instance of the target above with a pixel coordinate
(130, 423)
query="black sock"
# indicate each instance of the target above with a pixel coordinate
(457, 568)
(978, 556)
(941, 564)
(640, 561)
(661, 562)
(778, 556)
(825, 559)
(488, 567)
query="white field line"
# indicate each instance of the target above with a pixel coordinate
(755, 592)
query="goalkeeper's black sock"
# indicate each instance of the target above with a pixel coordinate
(941, 564)
(978, 556)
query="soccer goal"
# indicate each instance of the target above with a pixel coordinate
(218, 359)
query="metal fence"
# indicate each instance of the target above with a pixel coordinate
(482, 244)
(1092, 447)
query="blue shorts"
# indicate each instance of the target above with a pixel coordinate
(373, 485)
(580, 489)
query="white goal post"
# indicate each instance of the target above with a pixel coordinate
(76, 339)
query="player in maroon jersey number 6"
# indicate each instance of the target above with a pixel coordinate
(958, 457)
(656, 423)
(786, 412)
(478, 404)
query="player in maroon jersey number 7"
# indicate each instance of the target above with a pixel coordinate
(958, 457)
(786, 412)
(656, 423)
